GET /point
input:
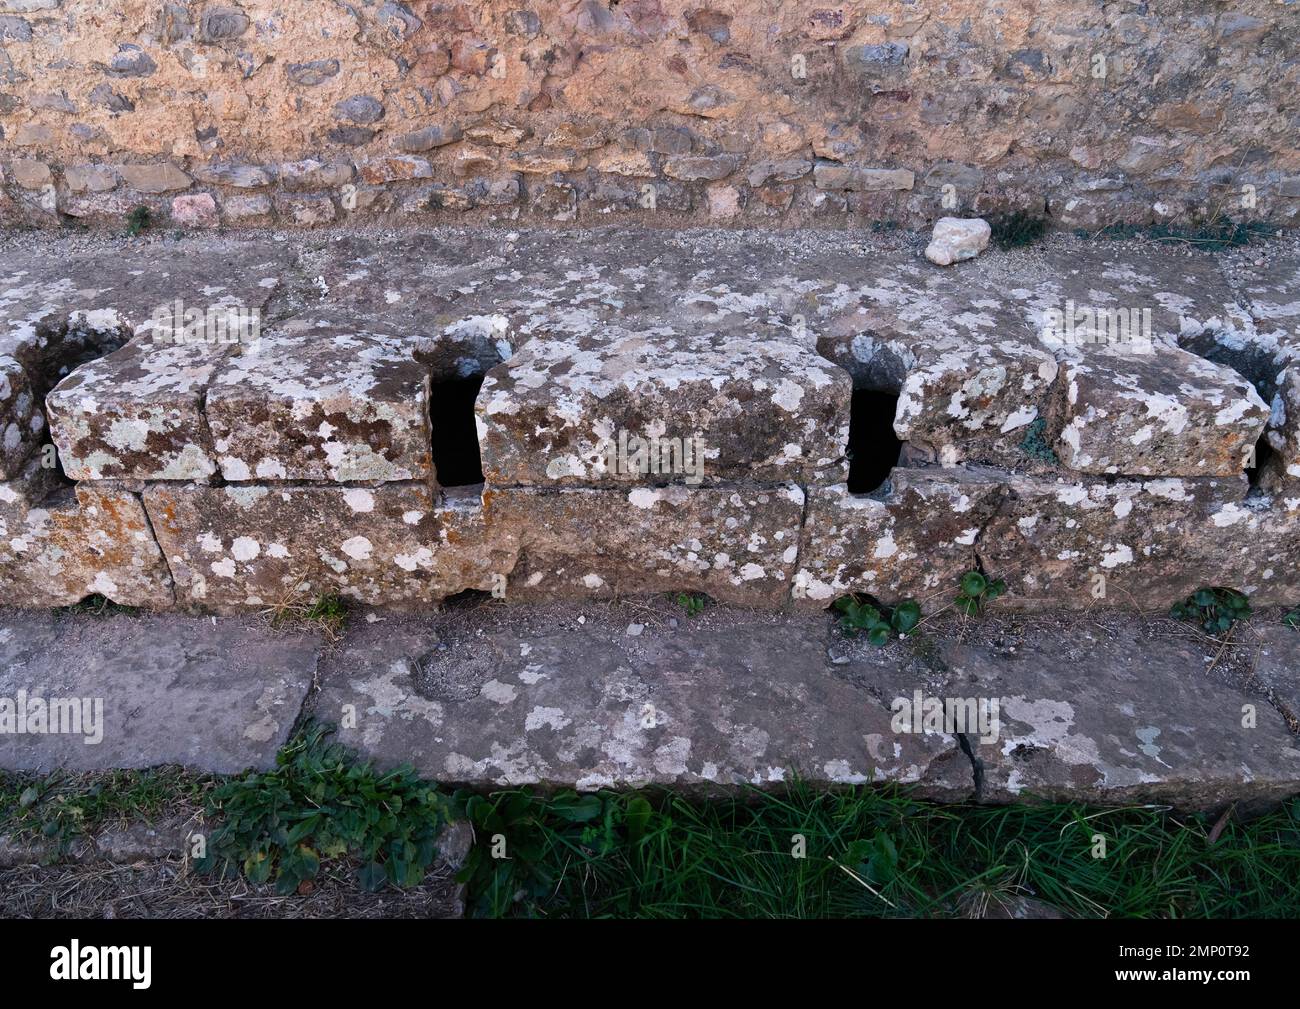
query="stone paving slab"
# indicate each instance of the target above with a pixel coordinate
(1277, 669)
(1125, 709)
(1109, 710)
(122, 289)
(592, 706)
(211, 694)
(1272, 294)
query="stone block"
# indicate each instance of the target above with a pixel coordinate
(319, 401)
(259, 547)
(60, 544)
(576, 411)
(737, 544)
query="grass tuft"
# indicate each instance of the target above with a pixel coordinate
(867, 853)
(800, 853)
(1213, 235)
(327, 612)
(67, 807)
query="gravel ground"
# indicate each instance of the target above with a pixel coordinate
(170, 889)
(699, 242)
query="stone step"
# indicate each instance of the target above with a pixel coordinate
(1112, 708)
(772, 420)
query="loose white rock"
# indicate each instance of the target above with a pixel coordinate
(957, 238)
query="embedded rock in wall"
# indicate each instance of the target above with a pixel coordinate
(738, 112)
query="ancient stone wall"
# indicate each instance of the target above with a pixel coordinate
(753, 112)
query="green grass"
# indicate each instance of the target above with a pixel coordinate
(875, 853)
(869, 852)
(328, 613)
(64, 807)
(1213, 235)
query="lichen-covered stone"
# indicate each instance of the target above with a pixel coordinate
(584, 705)
(57, 313)
(1282, 472)
(915, 540)
(60, 544)
(738, 544)
(573, 411)
(1148, 727)
(1105, 709)
(963, 402)
(137, 414)
(318, 401)
(1145, 543)
(261, 547)
(753, 344)
(1163, 413)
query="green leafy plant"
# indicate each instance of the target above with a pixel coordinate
(1292, 619)
(526, 842)
(975, 591)
(876, 858)
(861, 615)
(321, 803)
(692, 604)
(137, 220)
(1215, 609)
